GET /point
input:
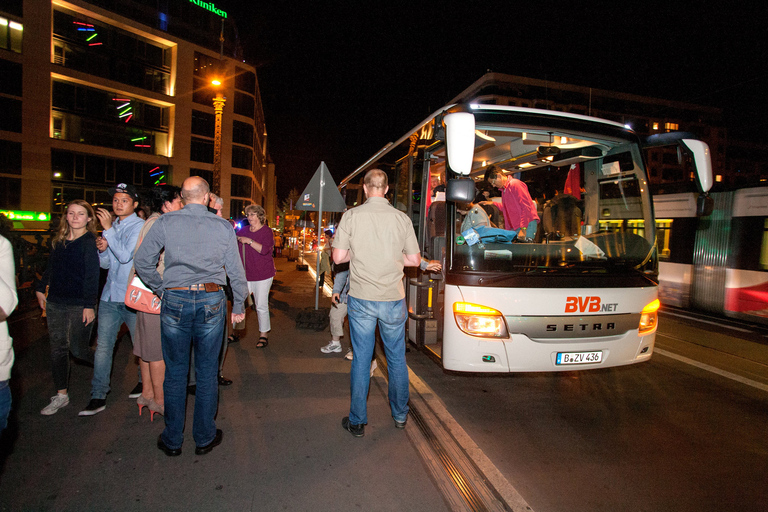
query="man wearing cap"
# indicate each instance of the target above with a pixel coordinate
(200, 252)
(116, 245)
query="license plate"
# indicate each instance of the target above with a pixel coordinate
(579, 357)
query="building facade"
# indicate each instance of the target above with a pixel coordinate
(101, 92)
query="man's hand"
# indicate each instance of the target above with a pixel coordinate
(104, 217)
(434, 266)
(89, 315)
(102, 244)
(236, 319)
(335, 298)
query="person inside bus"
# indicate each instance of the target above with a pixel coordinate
(561, 217)
(518, 207)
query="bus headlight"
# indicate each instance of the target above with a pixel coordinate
(649, 318)
(477, 320)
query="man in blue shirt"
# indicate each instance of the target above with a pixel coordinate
(116, 246)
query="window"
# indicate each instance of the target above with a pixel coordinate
(201, 150)
(10, 120)
(241, 186)
(237, 208)
(764, 247)
(202, 92)
(242, 158)
(11, 82)
(245, 81)
(10, 157)
(10, 193)
(244, 104)
(242, 133)
(671, 126)
(203, 123)
(10, 35)
(206, 175)
(205, 66)
(93, 47)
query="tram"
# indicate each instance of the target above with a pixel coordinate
(718, 263)
(580, 293)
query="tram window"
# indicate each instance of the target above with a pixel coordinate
(764, 247)
(746, 234)
(663, 232)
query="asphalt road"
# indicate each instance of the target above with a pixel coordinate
(661, 435)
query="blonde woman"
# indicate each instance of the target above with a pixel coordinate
(72, 279)
(256, 251)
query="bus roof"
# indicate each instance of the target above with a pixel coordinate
(486, 108)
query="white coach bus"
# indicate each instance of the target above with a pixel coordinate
(582, 292)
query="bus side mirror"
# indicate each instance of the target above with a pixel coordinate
(702, 161)
(460, 141)
(460, 190)
(704, 205)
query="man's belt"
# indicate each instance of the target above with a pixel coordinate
(202, 287)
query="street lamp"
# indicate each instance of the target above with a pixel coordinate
(218, 107)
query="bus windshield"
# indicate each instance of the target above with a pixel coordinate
(584, 187)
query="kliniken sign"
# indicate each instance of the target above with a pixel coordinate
(210, 7)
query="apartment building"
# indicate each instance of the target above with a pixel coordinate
(100, 92)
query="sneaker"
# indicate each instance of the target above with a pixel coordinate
(136, 391)
(57, 402)
(348, 356)
(355, 430)
(374, 365)
(333, 346)
(95, 406)
(401, 424)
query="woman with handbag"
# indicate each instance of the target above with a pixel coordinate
(147, 346)
(68, 293)
(256, 251)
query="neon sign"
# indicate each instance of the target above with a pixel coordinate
(209, 7)
(23, 215)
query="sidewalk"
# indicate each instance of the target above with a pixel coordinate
(283, 447)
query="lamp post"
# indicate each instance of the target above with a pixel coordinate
(218, 107)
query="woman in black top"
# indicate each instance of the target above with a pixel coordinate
(72, 280)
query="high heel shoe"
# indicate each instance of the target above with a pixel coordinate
(155, 408)
(143, 402)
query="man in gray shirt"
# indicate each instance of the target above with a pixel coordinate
(200, 252)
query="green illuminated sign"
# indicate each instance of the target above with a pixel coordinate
(209, 7)
(21, 215)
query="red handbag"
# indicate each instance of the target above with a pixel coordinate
(141, 298)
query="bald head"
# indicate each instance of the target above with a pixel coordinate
(194, 190)
(375, 183)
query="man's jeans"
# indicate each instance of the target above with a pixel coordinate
(111, 316)
(191, 319)
(67, 333)
(5, 403)
(390, 316)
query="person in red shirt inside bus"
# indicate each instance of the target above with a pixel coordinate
(517, 206)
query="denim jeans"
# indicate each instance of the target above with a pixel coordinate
(111, 316)
(5, 403)
(67, 332)
(390, 316)
(191, 320)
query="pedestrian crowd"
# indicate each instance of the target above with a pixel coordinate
(177, 280)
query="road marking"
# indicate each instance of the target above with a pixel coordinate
(507, 491)
(718, 371)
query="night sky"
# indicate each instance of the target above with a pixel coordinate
(340, 79)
